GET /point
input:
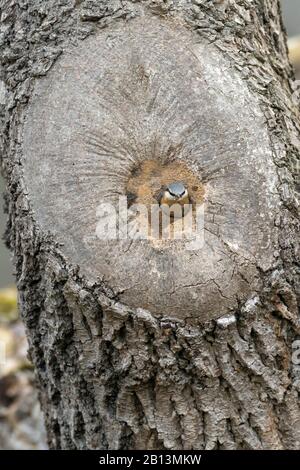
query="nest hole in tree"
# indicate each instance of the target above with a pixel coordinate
(147, 180)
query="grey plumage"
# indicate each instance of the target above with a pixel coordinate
(176, 189)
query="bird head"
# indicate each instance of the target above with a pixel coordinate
(175, 193)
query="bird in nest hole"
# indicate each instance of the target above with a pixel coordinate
(175, 196)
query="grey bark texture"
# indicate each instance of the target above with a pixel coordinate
(138, 346)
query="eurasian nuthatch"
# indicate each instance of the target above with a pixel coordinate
(175, 194)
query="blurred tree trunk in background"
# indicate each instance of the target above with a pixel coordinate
(113, 377)
(294, 48)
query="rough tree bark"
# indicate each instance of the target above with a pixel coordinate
(193, 351)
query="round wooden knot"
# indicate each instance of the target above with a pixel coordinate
(135, 107)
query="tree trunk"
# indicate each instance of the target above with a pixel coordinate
(143, 345)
